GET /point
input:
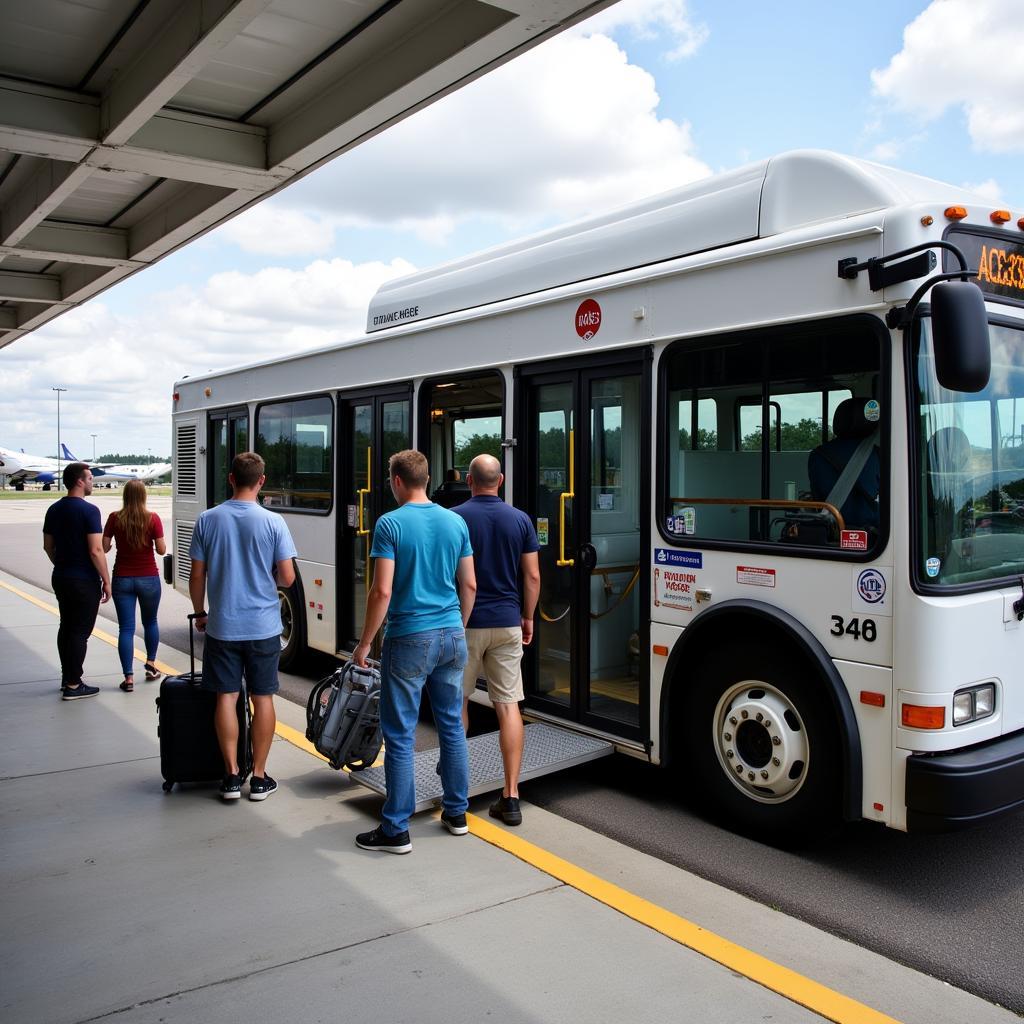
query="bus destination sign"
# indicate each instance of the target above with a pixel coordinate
(998, 260)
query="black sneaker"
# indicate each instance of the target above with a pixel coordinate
(455, 823)
(378, 839)
(231, 787)
(260, 789)
(506, 809)
(79, 691)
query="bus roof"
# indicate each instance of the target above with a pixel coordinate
(763, 199)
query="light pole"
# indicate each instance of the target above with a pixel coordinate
(59, 392)
(93, 436)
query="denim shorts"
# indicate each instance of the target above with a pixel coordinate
(226, 661)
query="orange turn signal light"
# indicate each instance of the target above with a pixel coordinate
(916, 716)
(660, 649)
(956, 212)
(876, 700)
(999, 216)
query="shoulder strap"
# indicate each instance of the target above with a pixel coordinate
(851, 473)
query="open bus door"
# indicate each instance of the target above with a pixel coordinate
(583, 477)
(373, 425)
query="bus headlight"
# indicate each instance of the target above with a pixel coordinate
(974, 703)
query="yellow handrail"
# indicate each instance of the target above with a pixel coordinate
(362, 492)
(569, 494)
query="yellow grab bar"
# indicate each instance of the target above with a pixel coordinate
(362, 492)
(569, 494)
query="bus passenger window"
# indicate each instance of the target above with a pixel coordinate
(744, 416)
(295, 440)
(459, 419)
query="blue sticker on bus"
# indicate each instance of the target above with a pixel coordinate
(669, 556)
(871, 586)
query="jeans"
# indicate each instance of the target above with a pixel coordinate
(79, 603)
(124, 590)
(435, 659)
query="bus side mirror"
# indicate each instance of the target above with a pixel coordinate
(963, 354)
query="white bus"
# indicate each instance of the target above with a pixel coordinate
(778, 556)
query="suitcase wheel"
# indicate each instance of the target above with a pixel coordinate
(168, 786)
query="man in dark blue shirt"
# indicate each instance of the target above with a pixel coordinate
(508, 584)
(73, 541)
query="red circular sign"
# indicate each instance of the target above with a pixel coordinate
(588, 319)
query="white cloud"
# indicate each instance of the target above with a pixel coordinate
(651, 19)
(120, 370)
(272, 229)
(891, 151)
(569, 128)
(990, 189)
(966, 54)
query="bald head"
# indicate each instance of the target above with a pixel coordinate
(484, 476)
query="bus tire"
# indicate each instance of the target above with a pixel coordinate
(762, 744)
(293, 628)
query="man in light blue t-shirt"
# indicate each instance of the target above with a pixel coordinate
(424, 582)
(241, 553)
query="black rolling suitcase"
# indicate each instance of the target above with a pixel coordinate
(189, 751)
(343, 717)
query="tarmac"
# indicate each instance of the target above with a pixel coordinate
(123, 903)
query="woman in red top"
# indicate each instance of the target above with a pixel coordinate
(136, 532)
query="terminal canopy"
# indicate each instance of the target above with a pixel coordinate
(130, 127)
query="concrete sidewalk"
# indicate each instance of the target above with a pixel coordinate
(122, 903)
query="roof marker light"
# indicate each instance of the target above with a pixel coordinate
(927, 220)
(955, 212)
(999, 216)
(1020, 223)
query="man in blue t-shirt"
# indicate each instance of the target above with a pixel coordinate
(423, 581)
(241, 553)
(508, 585)
(73, 541)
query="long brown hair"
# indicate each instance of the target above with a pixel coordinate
(133, 517)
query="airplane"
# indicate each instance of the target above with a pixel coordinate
(19, 467)
(108, 472)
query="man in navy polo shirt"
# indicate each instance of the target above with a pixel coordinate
(508, 584)
(73, 541)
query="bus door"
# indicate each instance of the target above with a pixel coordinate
(582, 475)
(372, 425)
(228, 436)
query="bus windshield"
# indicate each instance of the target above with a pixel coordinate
(970, 457)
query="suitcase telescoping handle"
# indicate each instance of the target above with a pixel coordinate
(192, 645)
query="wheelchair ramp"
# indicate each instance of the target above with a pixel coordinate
(546, 749)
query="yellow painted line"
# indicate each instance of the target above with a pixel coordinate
(818, 998)
(804, 991)
(98, 633)
(286, 732)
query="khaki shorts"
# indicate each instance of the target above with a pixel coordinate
(495, 655)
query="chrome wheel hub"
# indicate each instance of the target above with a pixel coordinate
(761, 742)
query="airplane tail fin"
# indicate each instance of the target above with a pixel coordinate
(67, 454)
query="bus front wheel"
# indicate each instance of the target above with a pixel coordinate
(293, 632)
(762, 745)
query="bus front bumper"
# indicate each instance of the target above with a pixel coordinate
(964, 788)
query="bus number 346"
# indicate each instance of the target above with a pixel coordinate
(855, 627)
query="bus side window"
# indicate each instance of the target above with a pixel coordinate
(745, 486)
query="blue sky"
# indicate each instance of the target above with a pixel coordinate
(651, 94)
